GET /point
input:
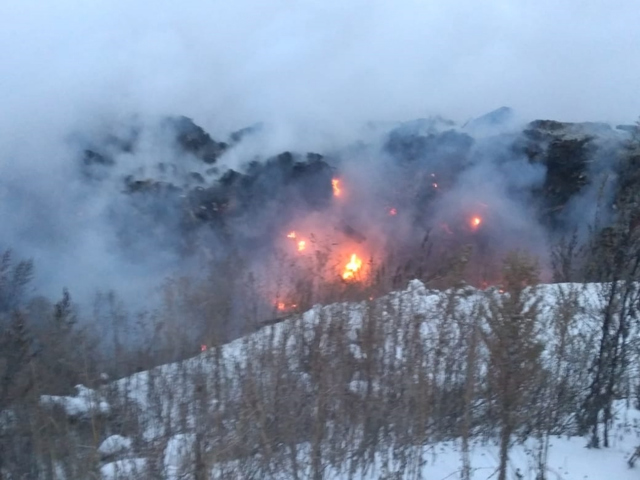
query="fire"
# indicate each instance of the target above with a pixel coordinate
(301, 244)
(337, 188)
(203, 348)
(475, 222)
(393, 211)
(352, 268)
(282, 306)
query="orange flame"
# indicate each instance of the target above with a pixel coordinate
(291, 235)
(337, 189)
(302, 245)
(203, 348)
(475, 222)
(282, 306)
(352, 268)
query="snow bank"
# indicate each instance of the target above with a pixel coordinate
(114, 445)
(128, 469)
(84, 404)
(177, 455)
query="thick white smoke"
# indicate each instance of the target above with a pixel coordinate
(314, 71)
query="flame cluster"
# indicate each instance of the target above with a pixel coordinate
(352, 268)
(282, 306)
(301, 244)
(337, 187)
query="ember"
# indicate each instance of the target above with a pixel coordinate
(337, 188)
(283, 307)
(475, 222)
(301, 244)
(352, 268)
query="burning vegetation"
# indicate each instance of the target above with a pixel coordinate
(427, 200)
(337, 188)
(352, 268)
(475, 222)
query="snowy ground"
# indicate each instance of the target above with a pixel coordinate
(568, 458)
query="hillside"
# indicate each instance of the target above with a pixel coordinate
(316, 384)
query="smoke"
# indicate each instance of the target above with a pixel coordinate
(75, 76)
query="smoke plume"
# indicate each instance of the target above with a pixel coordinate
(105, 186)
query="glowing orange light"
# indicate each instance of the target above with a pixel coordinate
(350, 270)
(291, 235)
(302, 245)
(475, 222)
(282, 306)
(337, 189)
(393, 211)
(203, 348)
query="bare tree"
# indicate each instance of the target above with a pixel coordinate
(511, 337)
(615, 261)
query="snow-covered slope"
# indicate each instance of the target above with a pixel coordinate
(568, 459)
(169, 400)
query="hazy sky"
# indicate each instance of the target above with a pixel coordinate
(309, 65)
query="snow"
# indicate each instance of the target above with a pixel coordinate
(114, 445)
(86, 403)
(128, 469)
(164, 394)
(179, 452)
(415, 302)
(568, 459)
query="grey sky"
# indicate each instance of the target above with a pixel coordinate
(323, 65)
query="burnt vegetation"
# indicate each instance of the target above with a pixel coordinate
(452, 334)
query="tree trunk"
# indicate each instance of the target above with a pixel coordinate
(505, 439)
